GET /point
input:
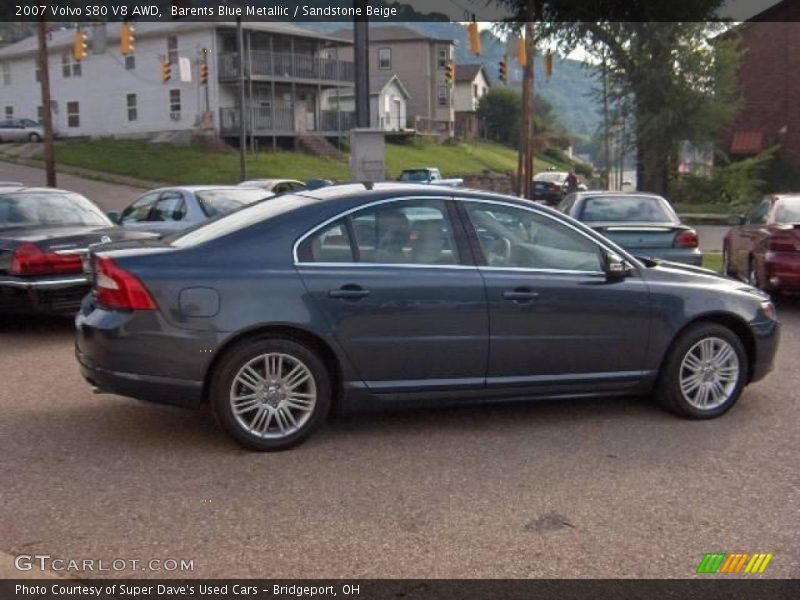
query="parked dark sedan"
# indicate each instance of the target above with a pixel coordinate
(643, 224)
(44, 233)
(764, 247)
(548, 186)
(170, 209)
(406, 293)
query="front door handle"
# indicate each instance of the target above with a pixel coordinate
(349, 292)
(520, 294)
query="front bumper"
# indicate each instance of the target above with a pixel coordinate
(45, 295)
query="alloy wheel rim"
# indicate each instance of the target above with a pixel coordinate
(709, 373)
(273, 395)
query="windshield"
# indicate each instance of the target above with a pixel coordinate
(550, 176)
(631, 209)
(788, 211)
(220, 202)
(48, 209)
(414, 175)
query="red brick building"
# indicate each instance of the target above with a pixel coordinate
(770, 80)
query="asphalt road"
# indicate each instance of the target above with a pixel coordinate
(590, 488)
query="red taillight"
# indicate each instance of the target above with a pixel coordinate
(686, 239)
(116, 288)
(782, 243)
(28, 259)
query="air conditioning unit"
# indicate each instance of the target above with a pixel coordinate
(175, 116)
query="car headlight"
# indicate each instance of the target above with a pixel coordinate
(768, 308)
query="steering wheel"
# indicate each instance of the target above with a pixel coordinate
(500, 252)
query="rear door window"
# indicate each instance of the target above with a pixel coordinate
(139, 211)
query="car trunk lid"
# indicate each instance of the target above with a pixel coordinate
(640, 235)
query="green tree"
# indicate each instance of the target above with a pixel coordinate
(499, 110)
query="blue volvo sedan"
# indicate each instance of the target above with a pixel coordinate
(396, 294)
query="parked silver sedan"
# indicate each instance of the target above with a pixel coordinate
(170, 209)
(276, 186)
(20, 130)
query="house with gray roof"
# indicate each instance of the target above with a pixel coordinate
(288, 70)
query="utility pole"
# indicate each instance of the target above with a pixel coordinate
(242, 123)
(47, 117)
(606, 124)
(530, 50)
(525, 158)
(361, 64)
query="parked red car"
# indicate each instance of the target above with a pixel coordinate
(764, 246)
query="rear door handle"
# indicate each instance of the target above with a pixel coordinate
(520, 295)
(349, 292)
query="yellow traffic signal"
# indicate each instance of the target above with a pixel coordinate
(503, 68)
(521, 52)
(166, 70)
(126, 39)
(203, 72)
(450, 71)
(548, 63)
(80, 45)
(474, 38)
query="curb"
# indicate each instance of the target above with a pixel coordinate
(87, 173)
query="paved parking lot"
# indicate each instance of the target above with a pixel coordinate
(599, 488)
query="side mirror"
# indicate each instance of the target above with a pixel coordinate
(615, 266)
(735, 220)
(113, 215)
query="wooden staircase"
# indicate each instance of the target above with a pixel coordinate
(319, 146)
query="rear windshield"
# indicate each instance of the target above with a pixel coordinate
(48, 209)
(631, 209)
(415, 175)
(220, 202)
(232, 222)
(550, 176)
(788, 211)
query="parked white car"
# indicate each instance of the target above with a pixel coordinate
(20, 130)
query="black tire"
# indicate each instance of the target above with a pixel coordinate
(668, 389)
(752, 274)
(34, 138)
(222, 387)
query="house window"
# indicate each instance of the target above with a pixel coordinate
(69, 66)
(40, 113)
(73, 114)
(133, 113)
(384, 58)
(444, 95)
(9, 112)
(5, 69)
(130, 62)
(175, 101)
(38, 75)
(475, 92)
(444, 56)
(172, 49)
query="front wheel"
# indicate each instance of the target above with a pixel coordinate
(271, 393)
(704, 373)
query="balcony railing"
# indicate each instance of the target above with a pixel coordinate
(259, 120)
(263, 63)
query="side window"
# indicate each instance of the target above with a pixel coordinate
(170, 207)
(758, 215)
(140, 210)
(330, 245)
(513, 237)
(413, 232)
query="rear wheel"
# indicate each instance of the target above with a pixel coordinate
(34, 137)
(704, 373)
(752, 273)
(270, 393)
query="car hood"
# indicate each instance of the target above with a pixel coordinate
(672, 272)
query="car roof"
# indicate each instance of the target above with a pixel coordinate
(203, 188)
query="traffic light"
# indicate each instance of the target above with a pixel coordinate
(80, 45)
(126, 39)
(166, 70)
(203, 72)
(548, 63)
(521, 52)
(450, 71)
(474, 38)
(503, 68)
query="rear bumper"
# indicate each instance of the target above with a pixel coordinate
(161, 390)
(51, 296)
(686, 256)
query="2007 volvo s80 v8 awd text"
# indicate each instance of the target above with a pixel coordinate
(399, 293)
